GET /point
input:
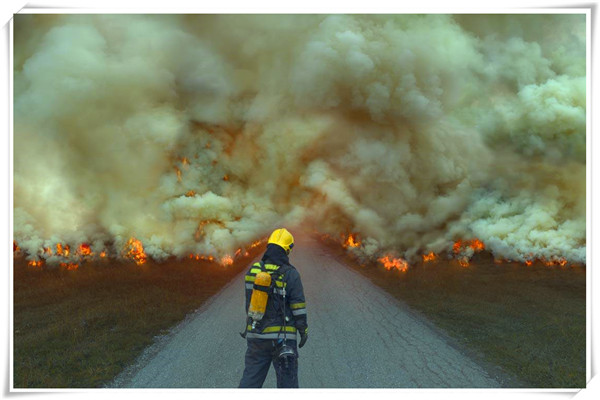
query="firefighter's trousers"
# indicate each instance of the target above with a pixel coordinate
(259, 356)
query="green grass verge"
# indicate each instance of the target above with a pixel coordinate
(530, 321)
(79, 329)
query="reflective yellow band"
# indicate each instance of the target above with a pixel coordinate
(255, 270)
(250, 278)
(277, 335)
(280, 284)
(256, 264)
(294, 306)
(271, 266)
(270, 329)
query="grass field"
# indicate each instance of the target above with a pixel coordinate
(530, 321)
(79, 329)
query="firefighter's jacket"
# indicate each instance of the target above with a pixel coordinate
(283, 276)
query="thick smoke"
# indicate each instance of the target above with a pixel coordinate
(201, 133)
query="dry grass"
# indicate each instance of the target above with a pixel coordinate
(530, 321)
(79, 329)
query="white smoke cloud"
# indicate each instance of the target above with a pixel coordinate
(201, 133)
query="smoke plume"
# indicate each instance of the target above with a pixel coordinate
(201, 133)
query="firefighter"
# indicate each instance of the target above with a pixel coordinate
(276, 311)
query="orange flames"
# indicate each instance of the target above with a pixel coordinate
(476, 244)
(463, 261)
(103, 253)
(561, 261)
(552, 262)
(352, 240)
(16, 246)
(62, 250)
(84, 249)
(227, 260)
(429, 257)
(135, 251)
(226, 178)
(35, 263)
(255, 244)
(190, 193)
(70, 266)
(390, 262)
(199, 257)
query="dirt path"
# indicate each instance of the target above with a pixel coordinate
(359, 337)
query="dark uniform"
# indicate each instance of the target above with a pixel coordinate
(264, 341)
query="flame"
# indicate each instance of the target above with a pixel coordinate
(84, 249)
(429, 257)
(352, 241)
(35, 263)
(238, 252)
(476, 244)
(227, 260)
(48, 250)
(226, 178)
(185, 161)
(178, 172)
(190, 193)
(62, 250)
(457, 247)
(103, 253)
(460, 245)
(390, 262)
(528, 262)
(16, 246)
(70, 266)
(554, 261)
(199, 257)
(135, 251)
(255, 244)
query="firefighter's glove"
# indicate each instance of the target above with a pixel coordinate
(303, 337)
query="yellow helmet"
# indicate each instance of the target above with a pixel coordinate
(282, 238)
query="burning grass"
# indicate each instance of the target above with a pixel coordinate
(80, 328)
(530, 320)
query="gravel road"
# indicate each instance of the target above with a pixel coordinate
(360, 337)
